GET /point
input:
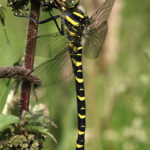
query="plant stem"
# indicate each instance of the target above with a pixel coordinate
(30, 52)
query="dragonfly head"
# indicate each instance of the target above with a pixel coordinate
(68, 3)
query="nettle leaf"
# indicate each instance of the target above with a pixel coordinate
(39, 130)
(37, 123)
(7, 120)
(44, 131)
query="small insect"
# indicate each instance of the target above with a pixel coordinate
(84, 36)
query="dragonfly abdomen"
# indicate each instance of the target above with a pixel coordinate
(78, 73)
(75, 22)
(76, 57)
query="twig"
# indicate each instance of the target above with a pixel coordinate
(30, 52)
(19, 73)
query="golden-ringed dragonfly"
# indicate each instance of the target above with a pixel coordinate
(84, 35)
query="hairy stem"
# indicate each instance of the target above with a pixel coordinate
(30, 52)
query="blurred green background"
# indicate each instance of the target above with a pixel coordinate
(117, 83)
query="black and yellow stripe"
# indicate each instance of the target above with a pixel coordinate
(75, 22)
(78, 73)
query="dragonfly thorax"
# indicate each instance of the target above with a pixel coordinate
(75, 21)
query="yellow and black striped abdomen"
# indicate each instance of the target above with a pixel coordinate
(75, 22)
(81, 106)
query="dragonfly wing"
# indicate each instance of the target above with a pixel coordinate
(49, 45)
(102, 13)
(56, 69)
(97, 29)
(94, 40)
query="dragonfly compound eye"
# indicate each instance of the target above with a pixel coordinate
(71, 3)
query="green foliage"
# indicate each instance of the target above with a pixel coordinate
(2, 14)
(4, 94)
(29, 133)
(7, 120)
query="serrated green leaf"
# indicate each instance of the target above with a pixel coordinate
(46, 132)
(42, 130)
(7, 120)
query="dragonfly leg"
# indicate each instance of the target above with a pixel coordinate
(62, 27)
(61, 30)
(45, 20)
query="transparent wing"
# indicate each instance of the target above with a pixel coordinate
(97, 29)
(102, 13)
(56, 69)
(94, 42)
(49, 45)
